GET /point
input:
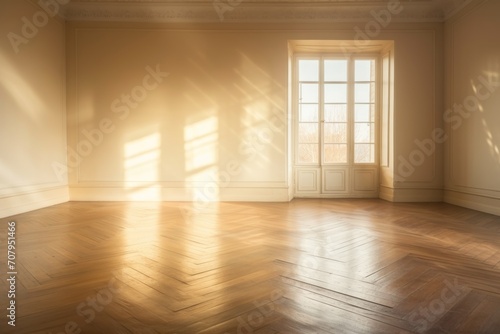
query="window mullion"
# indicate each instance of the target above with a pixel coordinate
(321, 117)
(350, 110)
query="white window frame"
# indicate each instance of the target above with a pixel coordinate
(350, 105)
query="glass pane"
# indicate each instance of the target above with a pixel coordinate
(335, 93)
(362, 113)
(308, 153)
(364, 153)
(308, 133)
(308, 113)
(335, 70)
(308, 70)
(335, 153)
(335, 113)
(363, 70)
(309, 93)
(362, 93)
(363, 132)
(335, 133)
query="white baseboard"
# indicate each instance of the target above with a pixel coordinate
(227, 194)
(488, 204)
(21, 202)
(386, 193)
(410, 194)
(34, 199)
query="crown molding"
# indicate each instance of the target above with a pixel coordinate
(453, 7)
(248, 11)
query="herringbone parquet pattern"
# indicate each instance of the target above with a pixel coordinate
(309, 266)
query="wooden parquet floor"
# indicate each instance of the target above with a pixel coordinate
(308, 266)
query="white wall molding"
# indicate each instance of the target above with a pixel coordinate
(33, 199)
(386, 193)
(411, 194)
(196, 195)
(473, 201)
(452, 8)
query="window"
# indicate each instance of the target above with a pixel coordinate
(336, 102)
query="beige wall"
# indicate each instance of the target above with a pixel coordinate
(216, 111)
(221, 113)
(418, 101)
(32, 114)
(473, 74)
(187, 112)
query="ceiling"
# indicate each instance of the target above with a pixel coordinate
(258, 10)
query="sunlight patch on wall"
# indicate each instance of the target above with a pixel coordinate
(492, 78)
(493, 72)
(490, 140)
(263, 122)
(19, 91)
(141, 167)
(201, 140)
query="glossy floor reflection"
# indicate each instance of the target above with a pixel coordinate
(309, 266)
